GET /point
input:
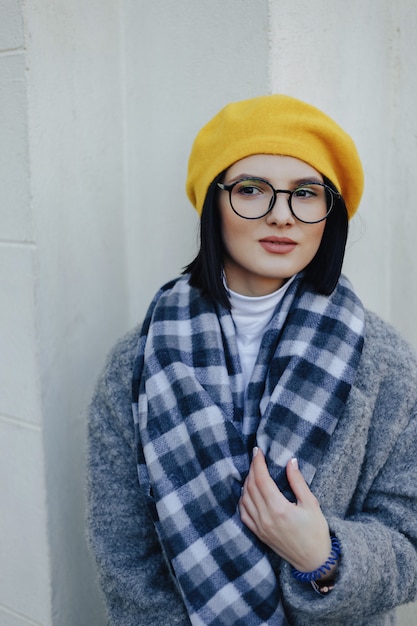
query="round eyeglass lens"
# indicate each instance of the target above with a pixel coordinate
(311, 202)
(251, 198)
(254, 198)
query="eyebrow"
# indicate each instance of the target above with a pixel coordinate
(293, 183)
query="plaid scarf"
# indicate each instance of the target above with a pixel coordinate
(195, 433)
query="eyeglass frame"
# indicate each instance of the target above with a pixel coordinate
(230, 187)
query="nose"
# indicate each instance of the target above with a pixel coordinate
(280, 213)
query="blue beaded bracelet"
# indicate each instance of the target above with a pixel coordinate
(307, 577)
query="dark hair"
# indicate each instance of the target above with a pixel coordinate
(322, 273)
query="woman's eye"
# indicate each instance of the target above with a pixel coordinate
(305, 192)
(249, 188)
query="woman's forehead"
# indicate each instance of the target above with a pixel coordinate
(271, 165)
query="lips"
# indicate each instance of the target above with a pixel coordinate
(278, 245)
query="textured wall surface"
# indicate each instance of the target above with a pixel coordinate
(61, 256)
(24, 550)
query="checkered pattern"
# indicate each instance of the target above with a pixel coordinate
(195, 433)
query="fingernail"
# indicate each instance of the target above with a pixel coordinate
(294, 463)
(255, 451)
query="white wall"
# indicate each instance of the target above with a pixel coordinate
(63, 288)
(77, 168)
(401, 149)
(24, 551)
(100, 101)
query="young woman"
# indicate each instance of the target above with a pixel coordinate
(267, 473)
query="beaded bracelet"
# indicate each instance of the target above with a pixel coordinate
(307, 577)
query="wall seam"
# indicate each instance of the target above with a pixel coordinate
(15, 243)
(28, 14)
(17, 421)
(9, 52)
(20, 616)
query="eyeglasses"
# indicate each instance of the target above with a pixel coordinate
(253, 198)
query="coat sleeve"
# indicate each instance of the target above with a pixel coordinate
(378, 568)
(378, 533)
(133, 574)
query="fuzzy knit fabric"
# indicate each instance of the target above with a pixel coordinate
(366, 485)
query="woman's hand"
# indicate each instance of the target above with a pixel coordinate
(298, 532)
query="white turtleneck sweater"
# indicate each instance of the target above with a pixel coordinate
(251, 315)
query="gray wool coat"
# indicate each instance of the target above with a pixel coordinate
(366, 485)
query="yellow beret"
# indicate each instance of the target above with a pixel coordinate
(274, 124)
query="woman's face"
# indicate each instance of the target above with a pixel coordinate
(261, 254)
